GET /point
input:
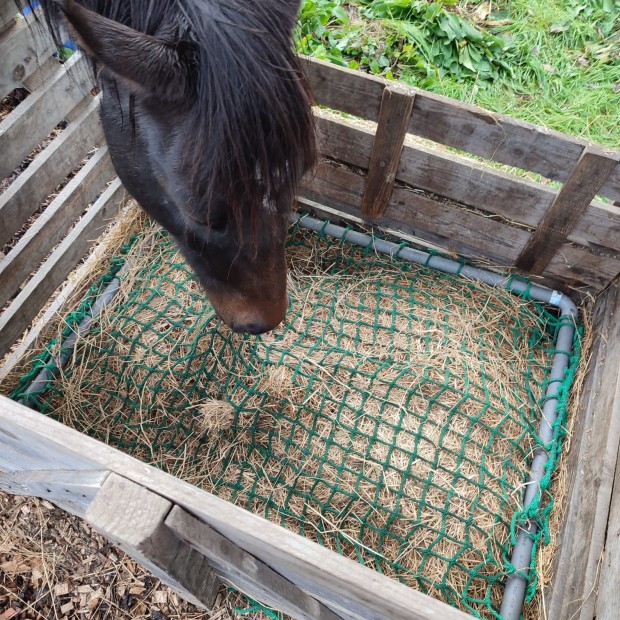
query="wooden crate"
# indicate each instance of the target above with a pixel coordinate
(424, 167)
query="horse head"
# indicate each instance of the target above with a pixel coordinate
(209, 124)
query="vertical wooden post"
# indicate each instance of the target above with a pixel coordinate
(589, 175)
(396, 106)
(133, 518)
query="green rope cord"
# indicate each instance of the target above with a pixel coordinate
(45, 359)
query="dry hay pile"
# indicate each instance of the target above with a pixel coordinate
(391, 418)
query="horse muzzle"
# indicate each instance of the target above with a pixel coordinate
(247, 315)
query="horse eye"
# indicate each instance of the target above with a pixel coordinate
(218, 223)
(215, 222)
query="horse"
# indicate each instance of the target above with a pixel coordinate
(208, 121)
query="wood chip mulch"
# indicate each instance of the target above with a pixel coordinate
(53, 566)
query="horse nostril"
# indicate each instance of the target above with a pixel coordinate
(250, 328)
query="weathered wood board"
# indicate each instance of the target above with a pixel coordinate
(52, 225)
(55, 269)
(457, 125)
(522, 213)
(23, 48)
(19, 201)
(348, 589)
(34, 118)
(134, 519)
(608, 593)
(591, 463)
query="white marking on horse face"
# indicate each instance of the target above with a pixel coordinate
(269, 205)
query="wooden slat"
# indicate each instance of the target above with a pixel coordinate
(495, 136)
(345, 90)
(458, 125)
(54, 270)
(463, 180)
(578, 268)
(51, 226)
(592, 170)
(591, 462)
(54, 485)
(8, 13)
(466, 232)
(78, 280)
(21, 199)
(474, 184)
(394, 115)
(34, 118)
(244, 571)
(608, 593)
(338, 139)
(133, 518)
(451, 176)
(349, 589)
(611, 189)
(22, 49)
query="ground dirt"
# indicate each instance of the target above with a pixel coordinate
(54, 566)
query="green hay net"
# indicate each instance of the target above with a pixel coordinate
(391, 419)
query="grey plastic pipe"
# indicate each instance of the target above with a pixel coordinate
(516, 583)
(46, 375)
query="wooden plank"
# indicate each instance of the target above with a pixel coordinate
(133, 518)
(495, 136)
(594, 167)
(35, 456)
(578, 268)
(474, 184)
(56, 486)
(51, 226)
(611, 188)
(76, 281)
(244, 571)
(22, 49)
(21, 199)
(469, 182)
(457, 229)
(454, 177)
(34, 118)
(468, 233)
(608, 593)
(458, 125)
(8, 13)
(341, 89)
(54, 270)
(595, 439)
(394, 115)
(338, 139)
(346, 587)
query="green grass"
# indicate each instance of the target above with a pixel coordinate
(555, 63)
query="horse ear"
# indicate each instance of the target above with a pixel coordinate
(148, 65)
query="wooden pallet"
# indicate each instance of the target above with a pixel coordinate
(424, 166)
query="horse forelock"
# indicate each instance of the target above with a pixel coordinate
(254, 116)
(249, 133)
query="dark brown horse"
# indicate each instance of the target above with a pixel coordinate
(208, 121)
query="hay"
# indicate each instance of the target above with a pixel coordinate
(391, 419)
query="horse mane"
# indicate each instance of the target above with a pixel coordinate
(253, 131)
